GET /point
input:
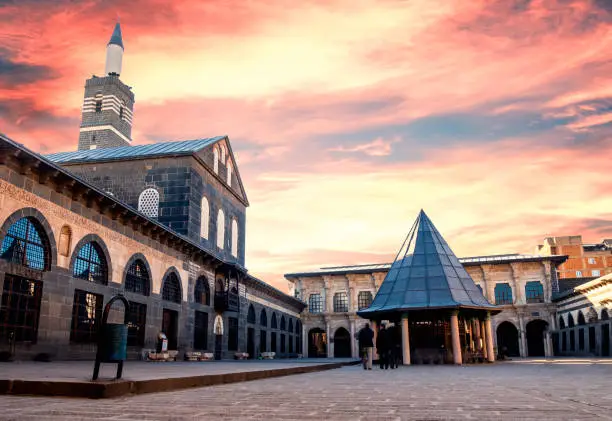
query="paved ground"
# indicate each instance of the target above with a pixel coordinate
(141, 370)
(562, 390)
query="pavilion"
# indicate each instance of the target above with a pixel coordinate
(444, 315)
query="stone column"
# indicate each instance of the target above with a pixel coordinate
(489, 334)
(522, 337)
(548, 350)
(481, 323)
(330, 345)
(477, 334)
(454, 321)
(405, 340)
(304, 341)
(354, 351)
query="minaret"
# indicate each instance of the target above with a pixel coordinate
(108, 106)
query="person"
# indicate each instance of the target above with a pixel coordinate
(382, 346)
(396, 346)
(366, 345)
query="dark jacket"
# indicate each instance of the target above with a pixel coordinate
(366, 338)
(382, 341)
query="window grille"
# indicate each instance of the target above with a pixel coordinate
(340, 302)
(200, 331)
(263, 318)
(172, 289)
(251, 314)
(137, 278)
(232, 339)
(534, 292)
(90, 264)
(503, 294)
(86, 316)
(148, 202)
(20, 309)
(364, 299)
(315, 304)
(23, 244)
(137, 321)
(204, 218)
(202, 291)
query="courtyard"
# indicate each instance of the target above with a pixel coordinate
(560, 389)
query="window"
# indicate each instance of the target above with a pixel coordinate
(561, 323)
(534, 292)
(234, 238)
(222, 147)
(20, 309)
(204, 218)
(172, 289)
(200, 330)
(64, 242)
(290, 328)
(86, 316)
(315, 304)
(578, 274)
(274, 325)
(232, 339)
(202, 291)
(263, 318)
(596, 273)
(283, 326)
(98, 105)
(137, 321)
(25, 245)
(570, 320)
(251, 314)
(591, 260)
(220, 229)
(364, 299)
(581, 320)
(229, 174)
(503, 294)
(216, 159)
(137, 278)
(121, 112)
(148, 203)
(340, 302)
(90, 264)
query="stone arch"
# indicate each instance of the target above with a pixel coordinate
(317, 343)
(581, 319)
(101, 248)
(133, 259)
(570, 320)
(263, 318)
(283, 325)
(342, 343)
(561, 322)
(251, 314)
(165, 287)
(45, 230)
(65, 241)
(274, 324)
(507, 339)
(290, 328)
(536, 337)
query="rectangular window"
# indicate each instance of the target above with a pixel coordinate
(137, 321)
(315, 303)
(200, 330)
(99, 106)
(364, 299)
(232, 339)
(578, 274)
(86, 316)
(340, 302)
(595, 273)
(591, 260)
(20, 309)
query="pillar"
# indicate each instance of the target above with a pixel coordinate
(354, 351)
(304, 341)
(374, 326)
(522, 337)
(489, 334)
(548, 345)
(330, 344)
(477, 334)
(454, 321)
(405, 340)
(483, 334)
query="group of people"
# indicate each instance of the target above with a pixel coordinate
(388, 346)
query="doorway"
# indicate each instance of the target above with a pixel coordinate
(342, 343)
(317, 343)
(170, 328)
(508, 340)
(535, 338)
(251, 342)
(605, 340)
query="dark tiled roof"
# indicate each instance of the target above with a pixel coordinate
(426, 275)
(116, 38)
(583, 287)
(185, 147)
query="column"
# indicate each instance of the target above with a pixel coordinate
(489, 334)
(374, 326)
(454, 321)
(304, 341)
(477, 334)
(522, 337)
(405, 340)
(354, 351)
(330, 345)
(548, 351)
(481, 323)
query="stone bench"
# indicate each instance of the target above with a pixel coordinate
(268, 355)
(241, 355)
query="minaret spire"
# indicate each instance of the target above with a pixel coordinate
(114, 52)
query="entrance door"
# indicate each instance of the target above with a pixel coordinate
(317, 343)
(251, 342)
(536, 337)
(507, 340)
(605, 340)
(342, 343)
(170, 328)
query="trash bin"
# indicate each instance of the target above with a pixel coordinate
(162, 343)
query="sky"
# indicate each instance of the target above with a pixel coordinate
(348, 116)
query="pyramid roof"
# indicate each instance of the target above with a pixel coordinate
(426, 274)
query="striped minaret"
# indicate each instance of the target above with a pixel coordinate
(108, 105)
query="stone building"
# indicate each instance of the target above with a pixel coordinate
(522, 285)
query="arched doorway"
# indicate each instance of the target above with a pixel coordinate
(317, 343)
(536, 338)
(508, 340)
(342, 343)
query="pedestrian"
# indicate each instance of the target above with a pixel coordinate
(396, 346)
(366, 343)
(382, 346)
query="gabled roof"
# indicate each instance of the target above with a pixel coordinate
(116, 38)
(426, 274)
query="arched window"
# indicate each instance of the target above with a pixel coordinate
(503, 294)
(290, 328)
(223, 154)
(315, 303)
(216, 159)
(172, 289)
(534, 292)
(229, 174)
(251, 314)
(137, 278)
(202, 291)
(364, 299)
(581, 320)
(26, 244)
(148, 202)
(604, 314)
(90, 264)
(340, 302)
(263, 318)
(570, 321)
(220, 229)
(204, 218)
(234, 238)
(274, 324)
(283, 326)
(65, 240)
(561, 323)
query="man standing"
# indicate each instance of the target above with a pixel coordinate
(366, 343)
(382, 346)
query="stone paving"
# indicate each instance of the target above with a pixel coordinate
(526, 390)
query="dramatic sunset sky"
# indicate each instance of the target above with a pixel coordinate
(348, 116)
